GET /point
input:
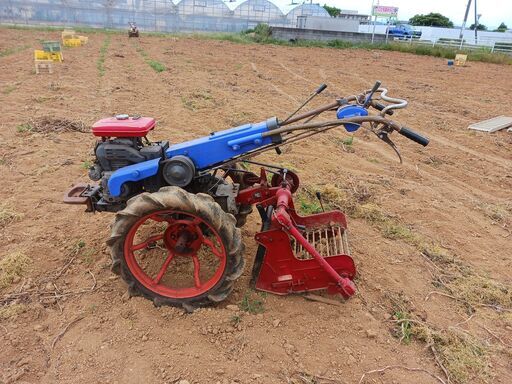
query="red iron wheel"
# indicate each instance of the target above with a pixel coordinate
(177, 248)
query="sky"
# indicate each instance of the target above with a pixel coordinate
(493, 11)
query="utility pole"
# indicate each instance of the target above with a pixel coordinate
(461, 36)
(476, 25)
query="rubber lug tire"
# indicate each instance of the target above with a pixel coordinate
(199, 204)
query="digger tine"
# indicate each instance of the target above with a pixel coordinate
(334, 241)
(327, 240)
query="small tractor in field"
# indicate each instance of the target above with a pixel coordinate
(133, 31)
(176, 236)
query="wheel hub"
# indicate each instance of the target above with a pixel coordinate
(183, 238)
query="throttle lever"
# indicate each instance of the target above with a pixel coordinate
(376, 86)
(383, 135)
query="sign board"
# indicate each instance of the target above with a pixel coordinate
(384, 11)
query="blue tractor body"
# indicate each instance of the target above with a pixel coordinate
(204, 152)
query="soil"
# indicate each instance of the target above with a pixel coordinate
(443, 192)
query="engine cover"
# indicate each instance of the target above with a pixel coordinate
(123, 126)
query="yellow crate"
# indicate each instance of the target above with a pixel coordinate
(42, 55)
(83, 39)
(53, 56)
(68, 34)
(72, 42)
(57, 56)
(460, 60)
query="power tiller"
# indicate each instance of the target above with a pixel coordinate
(176, 236)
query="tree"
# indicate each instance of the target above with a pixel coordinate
(431, 20)
(333, 11)
(480, 27)
(502, 28)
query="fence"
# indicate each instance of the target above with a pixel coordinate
(490, 45)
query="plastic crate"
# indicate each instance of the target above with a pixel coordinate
(42, 55)
(51, 46)
(72, 42)
(83, 39)
(68, 34)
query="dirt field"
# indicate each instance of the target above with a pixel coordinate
(441, 222)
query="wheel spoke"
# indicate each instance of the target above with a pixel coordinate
(197, 267)
(144, 244)
(163, 269)
(210, 244)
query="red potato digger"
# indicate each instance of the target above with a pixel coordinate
(176, 236)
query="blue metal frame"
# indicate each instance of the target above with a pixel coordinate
(205, 152)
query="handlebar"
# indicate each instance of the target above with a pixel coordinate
(414, 136)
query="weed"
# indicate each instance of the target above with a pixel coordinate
(464, 357)
(7, 215)
(12, 267)
(405, 326)
(26, 127)
(235, 320)
(251, 305)
(100, 64)
(8, 89)
(86, 165)
(11, 311)
(157, 66)
(392, 230)
(497, 212)
(11, 51)
(348, 141)
(307, 204)
(475, 290)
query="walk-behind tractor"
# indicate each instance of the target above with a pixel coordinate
(176, 238)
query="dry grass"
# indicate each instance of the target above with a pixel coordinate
(7, 215)
(463, 356)
(53, 125)
(477, 290)
(11, 311)
(497, 212)
(12, 267)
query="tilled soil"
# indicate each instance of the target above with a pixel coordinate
(455, 193)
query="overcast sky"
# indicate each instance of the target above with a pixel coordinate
(493, 11)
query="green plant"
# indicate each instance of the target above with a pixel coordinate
(251, 305)
(8, 89)
(157, 66)
(26, 127)
(100, 64)
(404, 325)
(262, 33)
(13, 50)
(235, 320)
(86, 165)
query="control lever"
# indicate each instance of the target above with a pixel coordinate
(319, 90)
(370, 95)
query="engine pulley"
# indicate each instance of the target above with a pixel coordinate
(178, 171)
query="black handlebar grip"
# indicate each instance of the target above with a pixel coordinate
(321, 88)
(411, 135)
(380, 107)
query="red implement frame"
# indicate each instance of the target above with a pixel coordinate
(287, 259)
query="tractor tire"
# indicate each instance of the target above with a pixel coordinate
(178, 209)
(244, 210)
